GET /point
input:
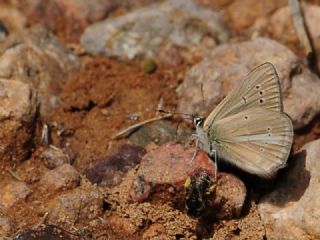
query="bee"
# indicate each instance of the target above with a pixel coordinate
(199, 190)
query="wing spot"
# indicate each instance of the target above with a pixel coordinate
(244, 99)
(261, 92)
(258, 86)
(246, 117)
(265, 143)
(261, 101)
(269, 129)
(269, 134)
(261, 149)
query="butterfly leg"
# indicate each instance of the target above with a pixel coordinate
(195, 150)
(213, 152)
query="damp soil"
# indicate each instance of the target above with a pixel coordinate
(97, 102)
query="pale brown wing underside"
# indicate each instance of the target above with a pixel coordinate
(256, 140)
(260, 87)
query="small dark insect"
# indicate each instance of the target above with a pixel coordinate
(199, 189)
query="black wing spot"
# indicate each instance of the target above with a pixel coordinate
(246, 117)
(261, 149)
(269, 134)
(261, 100)
(269, 129)
(261, 92)
(257, 86)
(266, 143)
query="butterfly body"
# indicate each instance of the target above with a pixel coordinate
(249, 128)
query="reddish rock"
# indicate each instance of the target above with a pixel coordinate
(34, 56)
(61, 178)
(81, 204)
(13, 192)
(11, 17)
(166, 169)
(17, 112)
(243, 13)
(168, 165)
(53, 157)
(230, 195)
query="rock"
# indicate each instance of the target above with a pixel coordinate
(292, 209)
(11, 17)
(215, 4)
(3, 32)
(53, 157)
(69, 18)
(44, 232)
(227, 64)
(154, 232)
(36, 57)
(5, 225)
(13, 192)
(159, 132)
(81, 204)
(230, 195)
(282, 27)
(241, 14)
(302, 103)
(170, 164)
(17, 112)
(61, 178)
(109, 171)
(163, 173)
(147, 31)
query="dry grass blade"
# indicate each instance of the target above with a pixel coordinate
(126, 132)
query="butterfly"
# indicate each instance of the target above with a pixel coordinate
(249, 128)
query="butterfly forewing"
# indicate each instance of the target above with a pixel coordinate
(256, 140)
(260, 88)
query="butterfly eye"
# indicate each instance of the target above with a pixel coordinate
(197, 121)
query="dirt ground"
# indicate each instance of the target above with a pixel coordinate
(97, 103)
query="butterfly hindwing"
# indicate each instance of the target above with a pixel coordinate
(256, 140)
(260, 87)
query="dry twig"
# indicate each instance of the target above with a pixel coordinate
(126, 132)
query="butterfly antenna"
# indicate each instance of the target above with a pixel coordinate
(202, 94)
(189, 115)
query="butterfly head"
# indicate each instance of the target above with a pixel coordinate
(197, 121)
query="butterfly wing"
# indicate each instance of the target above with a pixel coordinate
(260, 88)
(256, 140)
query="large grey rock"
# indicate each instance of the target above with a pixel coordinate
(146, 31)
(292, 211)
(227, 64)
